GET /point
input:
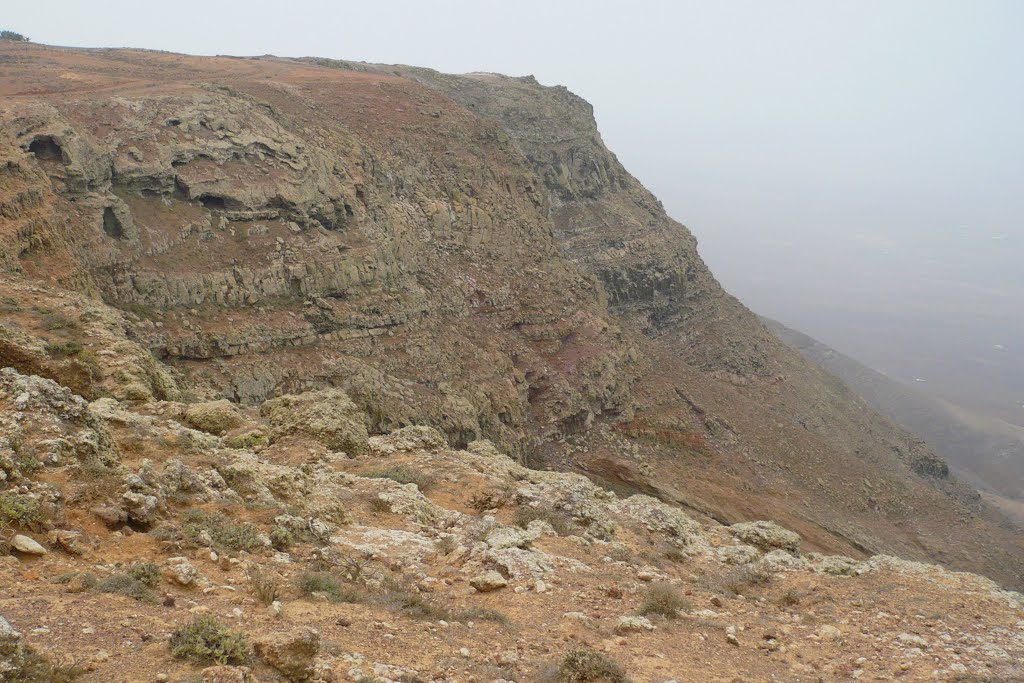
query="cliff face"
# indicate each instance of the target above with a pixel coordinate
(461, 251)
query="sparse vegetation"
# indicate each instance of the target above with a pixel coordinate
(263, 585)
(247, 440)
(63, 349)
(204, 640)
(127, 585)
(30, 666)
(561, 522)
(739, 580)
(484, 614)
(145, 572)
(13, 36)
(789, 597)
(446, 545)
(405, 475)
(584, 665)
(664, 600)
(223, 531)
(18, 511)
(281, 539)
(52, 321)
(328, 585)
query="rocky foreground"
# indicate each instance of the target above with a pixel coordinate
(162, 541)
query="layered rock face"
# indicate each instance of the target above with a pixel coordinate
(458, 251)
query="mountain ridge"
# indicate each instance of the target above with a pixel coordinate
(460, 251)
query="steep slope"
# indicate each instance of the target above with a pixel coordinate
(986, 452)
(460, 251)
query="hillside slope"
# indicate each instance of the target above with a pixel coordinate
(986, 452)
(458, 251)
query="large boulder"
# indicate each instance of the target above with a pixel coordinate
(328, 416)
(767, 536)
(292, 654)
(213, 417)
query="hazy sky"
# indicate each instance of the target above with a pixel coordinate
(831, 157)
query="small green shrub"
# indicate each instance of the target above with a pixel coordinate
(56, 321)
(124, 584)
(204, 640)
(246, 441)
(584, 665)
(397, 595)
(404, 475)
(264, 586)
(329, 585)
(18, 510)
(446, 545)
(63, 349)
(225, 532)
(790, 597)
(30, 666)
(664, 600)
(145, 572)
(14, 37)
(281, 539)
(739, 580)
(484, 614)
(561, 522)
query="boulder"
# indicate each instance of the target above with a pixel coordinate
(408, 439)
(328, 416)
(180, 571)
(629, 624)
(488, 581)
(767, 536)
(213, 417)
(26, 545)
(292, 654)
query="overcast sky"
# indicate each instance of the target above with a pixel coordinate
(837, 156)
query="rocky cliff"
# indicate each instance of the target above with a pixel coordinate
(456, 251)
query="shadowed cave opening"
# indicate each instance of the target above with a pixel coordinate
(46, 148)
(112, 224)
(211, 201)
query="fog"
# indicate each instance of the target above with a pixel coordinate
(853, 169)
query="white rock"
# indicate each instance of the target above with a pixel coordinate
(24, 544)
(829, 632)
(628, 624)
(488, 581)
